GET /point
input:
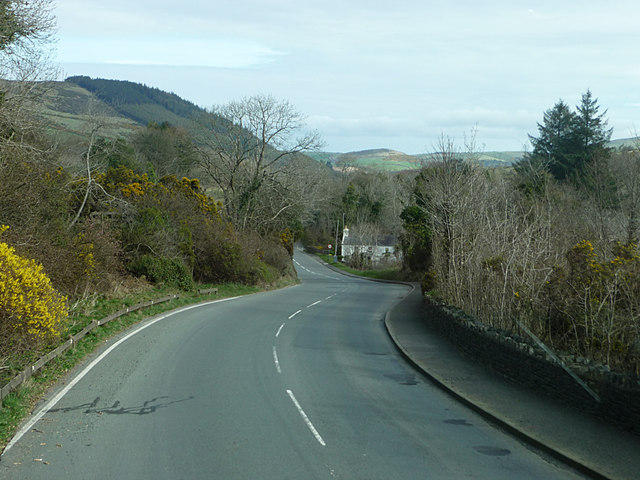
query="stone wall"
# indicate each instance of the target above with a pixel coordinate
(522, 361)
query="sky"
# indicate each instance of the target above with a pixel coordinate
(370, 74)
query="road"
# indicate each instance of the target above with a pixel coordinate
(300, 383)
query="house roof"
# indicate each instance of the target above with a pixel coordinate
(379, 240)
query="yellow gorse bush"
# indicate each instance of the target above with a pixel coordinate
(29, 305)
(85, 254)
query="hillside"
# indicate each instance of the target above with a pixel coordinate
(378, 159)
(138, 102)
(67, 110)
(383, 159)
(633, 142)
(488, 159)
(69, 106)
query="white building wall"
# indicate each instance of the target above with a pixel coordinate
(377, 253)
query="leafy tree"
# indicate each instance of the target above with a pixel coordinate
(165, 150)
(416, 241)
(115, 153)
(532, 175)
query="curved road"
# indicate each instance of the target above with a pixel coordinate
(300, 383)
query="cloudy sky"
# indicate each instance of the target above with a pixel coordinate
(372, 73)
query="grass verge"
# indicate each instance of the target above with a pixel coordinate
(18, 404)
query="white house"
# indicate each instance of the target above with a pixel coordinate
(369, 249)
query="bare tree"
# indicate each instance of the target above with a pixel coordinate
(451, 189)
(292, 196)
(25, 24)
(94, 125)
(26, 33)
(625, 167)
(93, 158)
(246, 148)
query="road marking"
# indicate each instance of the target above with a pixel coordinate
(315, 303)
(316, 273)
(306, 419)
(276, 361)
(279, 330)
(331, 296)
(307, 270)
(293, 315)
(49, 405)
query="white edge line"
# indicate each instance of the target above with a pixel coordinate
(275, 360)
(306, 419)
(51, 403)
(293, 315)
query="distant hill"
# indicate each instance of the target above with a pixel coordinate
(383, 159)
(488, 159)
(633, 142)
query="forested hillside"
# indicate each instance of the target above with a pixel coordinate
(139, 102)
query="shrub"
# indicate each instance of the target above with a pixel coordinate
(31, 310)
(595, 302)
(277, 255)
(286, 239)
(429, 282)
(163, 270)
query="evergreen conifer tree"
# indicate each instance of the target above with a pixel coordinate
(568, 141)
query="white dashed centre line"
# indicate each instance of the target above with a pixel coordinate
(315, 303)
(276, 361)
(294, 314)
(306, 419)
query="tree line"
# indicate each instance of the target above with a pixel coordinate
(551, 243)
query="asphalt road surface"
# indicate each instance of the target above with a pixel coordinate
(301, 383)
